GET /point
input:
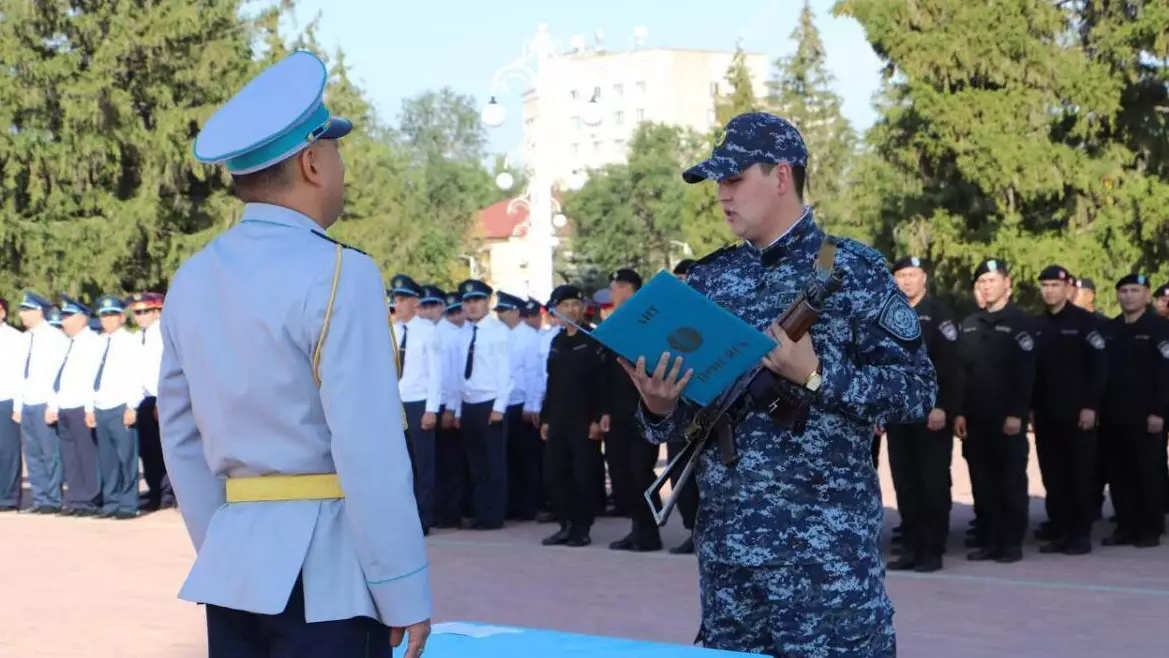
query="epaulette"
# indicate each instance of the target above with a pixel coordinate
(716, 254)
(862, 251)
(343, 245)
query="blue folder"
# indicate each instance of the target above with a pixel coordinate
(667, 315)
(471, 640)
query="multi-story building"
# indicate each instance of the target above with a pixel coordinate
(648, 84)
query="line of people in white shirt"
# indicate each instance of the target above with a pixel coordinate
(77, 393)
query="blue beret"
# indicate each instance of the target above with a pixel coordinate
(275, 116)
(748, 139)
(432, 295)
(109, 304)
(31, 300)
(404, 285)
(70, 306)
(474, 288)
(453, 302)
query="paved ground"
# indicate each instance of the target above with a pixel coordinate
(100, 589)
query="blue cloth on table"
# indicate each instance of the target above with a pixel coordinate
(464, 639)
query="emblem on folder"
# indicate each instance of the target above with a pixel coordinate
(685, 340)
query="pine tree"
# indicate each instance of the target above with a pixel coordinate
(740, 98)
(801, 92)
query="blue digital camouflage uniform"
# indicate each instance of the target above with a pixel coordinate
(787, 539)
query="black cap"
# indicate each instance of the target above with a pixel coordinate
(472, 288)
(1162, 291)
(683, 266)
(627, 275)
(1086, 284)
(564, 292)
(1133, 279)
(1056, 273)
(990, 265)
(908, 261)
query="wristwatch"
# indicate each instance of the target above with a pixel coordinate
(815, 379)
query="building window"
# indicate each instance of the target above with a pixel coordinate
(618, 89)
(641, 86)
(575, 94)
(619, 117)
(640, 115)
(620, 145)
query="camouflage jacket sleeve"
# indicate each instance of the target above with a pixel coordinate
(657, 429)
(885, 375)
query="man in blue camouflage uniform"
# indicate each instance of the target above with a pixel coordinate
(787, 538)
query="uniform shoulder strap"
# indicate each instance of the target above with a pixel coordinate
(826, 259)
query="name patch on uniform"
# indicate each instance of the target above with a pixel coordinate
(1096, 340)
(1163, 347)
(899, 319)
(948, 330)
(1024, 340)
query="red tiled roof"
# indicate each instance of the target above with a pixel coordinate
(498, 224)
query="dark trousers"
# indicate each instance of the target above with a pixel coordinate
(687, 499)
(919, 460)
(451, 476)
(150, 447)
(524, 452)
(876, 451)
(485, 447)
(79, 458)
(42, 455)
(570, 469)
(420, 446)
(11, 465)
(632, 461)
(1137, 480)
(117, 458)
(998, 470)
(238, 634)
(1067, 464)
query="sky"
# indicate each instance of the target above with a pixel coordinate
(398, 48)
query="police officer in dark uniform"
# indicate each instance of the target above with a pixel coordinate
(1133, 415)
(997, 353)
(571, 421)
(687, 500)
(920, 453)
(1070, 374)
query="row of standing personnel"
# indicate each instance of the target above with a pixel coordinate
(509, 417)
(77, 407)
(1094, 390)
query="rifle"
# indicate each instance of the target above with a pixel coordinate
(756, 389)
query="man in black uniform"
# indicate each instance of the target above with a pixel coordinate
(687, 501)
(1070, 374)
(919, 453)
(1133, 415)
(632, 459)
(997, 353)
(571, 421)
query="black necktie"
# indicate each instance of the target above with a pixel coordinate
(28, 359)
(101, 368)
(143, 332)
(471, 352)
(402, 351)
(61, 370)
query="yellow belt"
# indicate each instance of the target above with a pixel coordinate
(269, 488)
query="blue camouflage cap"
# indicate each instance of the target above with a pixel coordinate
(752, 138)
(276, 115)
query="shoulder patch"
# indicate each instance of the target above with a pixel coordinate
(1024, 340)
(1163, 348)
(949, 331)
(899, 319)
(343, 245)
(1095, 340)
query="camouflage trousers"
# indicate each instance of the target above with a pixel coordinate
(832, 610)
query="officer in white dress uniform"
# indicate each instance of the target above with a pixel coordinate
(523, 437)
(35, 404)
(119, 389)
(74, 410)
(486, 390)
(147, 310)
(11, 368)
(283, 430)
(421, 387)
(453, 479)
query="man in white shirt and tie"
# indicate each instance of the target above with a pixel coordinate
(11, 367)
(453, 479)
(74, 410)
(432, 303)
(147, 309)
(486, 390)
(421, 386)
(523, 438)
(118, 391)
(35, 405)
